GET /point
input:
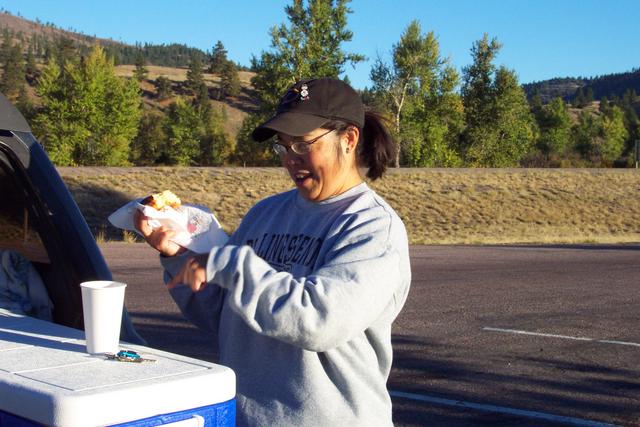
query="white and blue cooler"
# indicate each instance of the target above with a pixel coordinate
(47, 378)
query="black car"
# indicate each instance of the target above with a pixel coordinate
(40, 221)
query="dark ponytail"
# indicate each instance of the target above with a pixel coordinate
(377, 147)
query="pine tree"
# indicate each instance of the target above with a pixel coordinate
(49, 51)
(229, 81)
(89, 115)
(477, 86)
(140, 73)
(500, 127)
(32, 46)
(31, 68)
(7, 45)
(147, 147)
(110, 109)
(163, 87)
(536, 102)
(65, 51)
(195, 77)
(554, 123)
(588, 96)
(201, 100)
(52, 125)
(13, 73)
(218, 59)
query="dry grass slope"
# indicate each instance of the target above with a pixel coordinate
(438, 206)
(235, 108)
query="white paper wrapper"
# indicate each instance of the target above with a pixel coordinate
(197, 229)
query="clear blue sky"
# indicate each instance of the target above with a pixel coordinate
(541, 38)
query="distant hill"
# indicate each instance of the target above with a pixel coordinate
(236, 108)
(26, 31)
(564, 87)
(170, 61)
(610, 85)
(615, 84)
(48, 30)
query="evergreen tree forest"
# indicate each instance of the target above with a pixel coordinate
(84, 113)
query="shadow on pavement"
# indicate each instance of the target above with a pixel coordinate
(601, 393)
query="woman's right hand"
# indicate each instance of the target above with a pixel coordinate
(158, 238)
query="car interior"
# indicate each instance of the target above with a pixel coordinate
(46, 247)
(20, 231)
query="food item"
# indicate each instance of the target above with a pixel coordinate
(161, 201)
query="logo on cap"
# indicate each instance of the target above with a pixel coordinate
(304, 92)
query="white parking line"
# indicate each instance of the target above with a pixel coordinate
(499, 409)
(566, 337)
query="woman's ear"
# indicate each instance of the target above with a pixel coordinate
(352, 136)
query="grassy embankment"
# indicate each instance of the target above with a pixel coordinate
(438, 206)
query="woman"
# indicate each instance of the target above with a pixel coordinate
(304, 294)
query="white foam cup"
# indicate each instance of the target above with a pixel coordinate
(102, 302)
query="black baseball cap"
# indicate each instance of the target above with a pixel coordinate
(309, 104)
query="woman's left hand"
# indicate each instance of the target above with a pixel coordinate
(193, 274)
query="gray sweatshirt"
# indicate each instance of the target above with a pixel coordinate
(302, 299)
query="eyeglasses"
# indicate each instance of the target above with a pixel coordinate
(299, 147)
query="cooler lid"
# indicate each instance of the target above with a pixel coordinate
(46, 376)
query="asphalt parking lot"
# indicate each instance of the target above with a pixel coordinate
(490, 335)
